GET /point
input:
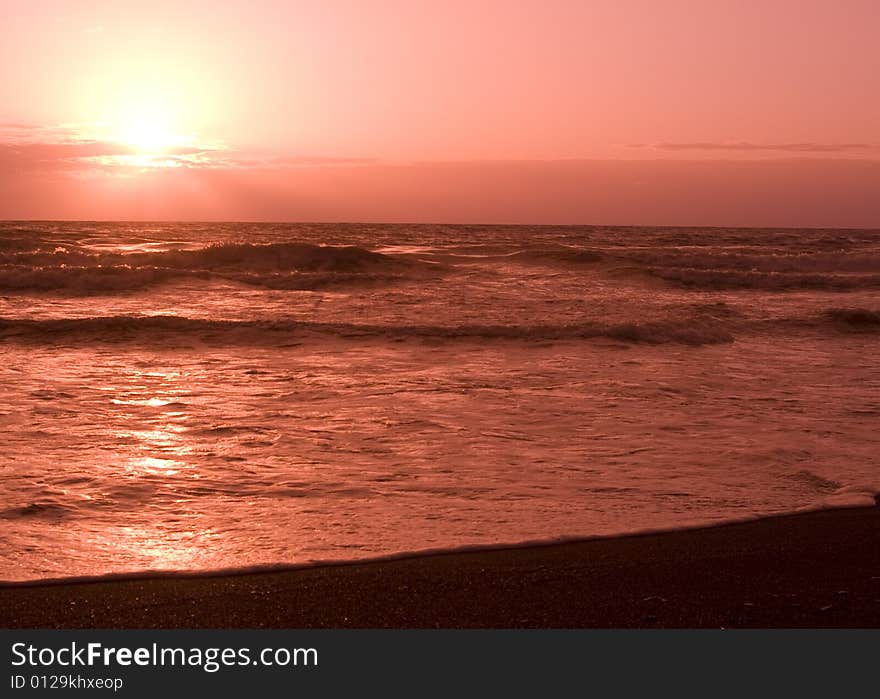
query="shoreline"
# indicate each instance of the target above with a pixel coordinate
(812, 569)
(281, 568)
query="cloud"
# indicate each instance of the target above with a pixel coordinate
(51, 157)
(44, 152)
(245, 161)
(37, 147)
(322, 161)
(25, 131)
(63, 149)
(744, 146)
(18, 126)
(91, 155)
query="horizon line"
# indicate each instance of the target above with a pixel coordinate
(439, 223)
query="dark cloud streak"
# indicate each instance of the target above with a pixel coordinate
(770, 147)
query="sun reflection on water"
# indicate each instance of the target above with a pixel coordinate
(156, 548)
(149, 416)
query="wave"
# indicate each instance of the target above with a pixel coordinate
(87, 280)
(695, 267)
(95, 281)
(758, 260)
(692, 330)
(16, 244)
(720, 280)
(47, 509)
(86, 268)
(701, 324)
(855, 319)
(558, 256)
(760, 269)
(277, 257)
(815, 482)
(274, 266)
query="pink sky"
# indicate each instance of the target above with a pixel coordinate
(703, 113)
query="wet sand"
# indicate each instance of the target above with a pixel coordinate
(817, 569)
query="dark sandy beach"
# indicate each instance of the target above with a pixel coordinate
(817, 569)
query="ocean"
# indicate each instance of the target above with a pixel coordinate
(181, 396)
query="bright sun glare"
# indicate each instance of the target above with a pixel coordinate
(147, 137)
(148, 132)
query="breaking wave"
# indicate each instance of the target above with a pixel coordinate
(273, 266)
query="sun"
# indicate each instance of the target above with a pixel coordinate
(149, 132)
(147, 137)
